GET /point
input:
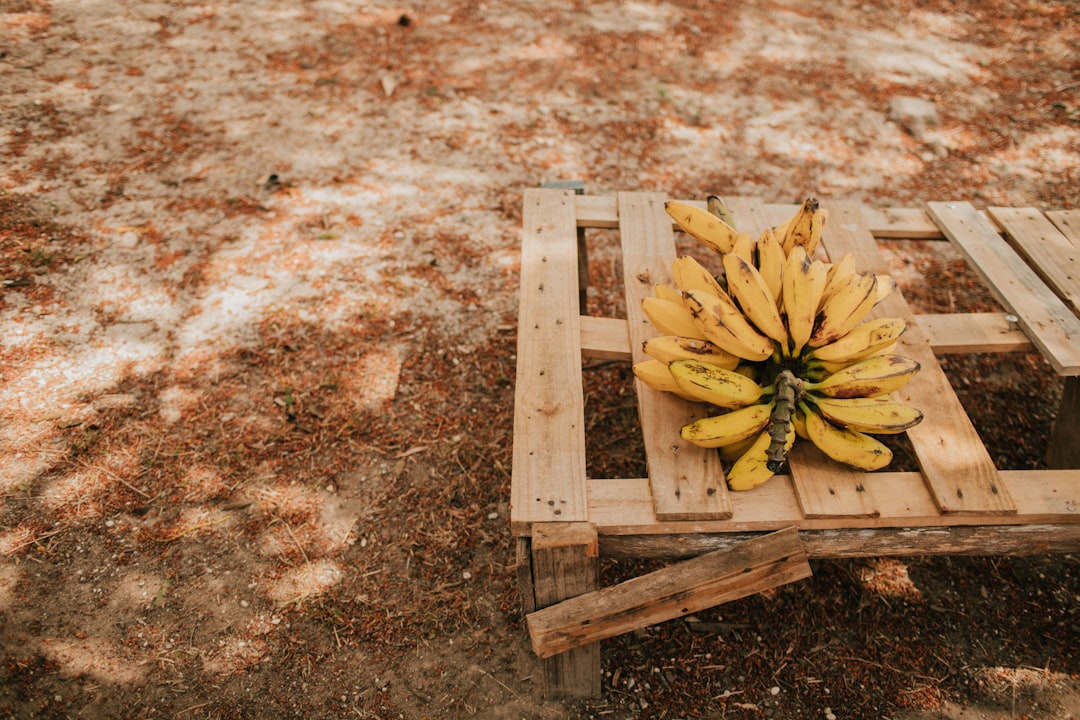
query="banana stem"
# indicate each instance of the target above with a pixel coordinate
(788, 393)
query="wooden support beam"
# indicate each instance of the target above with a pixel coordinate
(566, 564)
(675, 591)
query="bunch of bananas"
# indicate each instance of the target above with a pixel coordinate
(780, 343)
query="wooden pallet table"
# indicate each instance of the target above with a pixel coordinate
(726, 545)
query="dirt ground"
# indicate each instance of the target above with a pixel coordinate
(259, 266)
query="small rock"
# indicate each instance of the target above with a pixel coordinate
(913, 114)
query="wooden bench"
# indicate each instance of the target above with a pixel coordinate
(727, 545)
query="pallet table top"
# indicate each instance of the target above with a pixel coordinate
(1026, 257)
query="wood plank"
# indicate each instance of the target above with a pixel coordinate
(956, 465)
(548, 475)
(971, 540)
(1042, 315)
(1064, 450)
(607, 338)
(566, 564)
(1053, 256)
(1067, 222)
(687, 481)
(623, 506)
(988, 332)
(601, 211)
(675, 591)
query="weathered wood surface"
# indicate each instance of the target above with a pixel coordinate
(1044, 317)
(687, 481)
(549, 434)
(691, 586)
(971, 540)
(565, 562)
(1053, 256)
(955, 464)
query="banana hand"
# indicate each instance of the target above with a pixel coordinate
(846, 446)
(878, 415)
(756, 300)
(702, 225)
(864, 340)
(877, 375)
(752, 468)
(668, 348)
(728, 429)
(803, 282)
(670, 318)
(845, 308)
(714, 385)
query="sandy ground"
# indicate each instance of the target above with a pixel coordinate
(259, 290)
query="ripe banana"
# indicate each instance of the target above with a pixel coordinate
(864, 340)
(886, 286)
(756, 300)
(877, 375)
(720, 321)
(689, 274)
(846, 446)
(728, 429)
(880, 415)
(805, 227)
(667, 292)
(744, 247)
(714, 385)
(702, 225)
(845, 308)
(753, 467)
(716, 206)
(656, 375)
(803, 281)
(840, 273)
(770, 262)
(668, 348)
(670, 318)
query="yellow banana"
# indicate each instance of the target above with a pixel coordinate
(817, 369)
(728, 429)
(714, 385)
(880, 415)
(770, 262)
(840, 273)
(666, 292)
(716, 206)
(731, 453)
(798, 422)
(846, 446)
(805, 227)
(720, 321)
(756, 300)
(886, 286)
(877, 375)
(865, 339)
(802, 282)
(670, 318)
(744, 247)
(752, 468)
(656, 375)
(668, 348)
(689, 274)
(702, 225)
(845, 308)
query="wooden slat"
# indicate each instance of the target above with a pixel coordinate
(675, 591)
(687, 481)
(607, 339)
(623, 506)
(601, 211)
(1068, 222)
(956, 465)
(1053, 256)
(549, 433)
(976, 540)
(1042, 315)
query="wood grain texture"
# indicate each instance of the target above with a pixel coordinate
(687, 481)
(675, 591)
(1043, 316)
(549, 431)
(956, 465)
